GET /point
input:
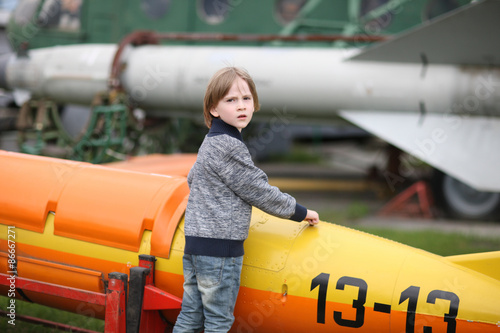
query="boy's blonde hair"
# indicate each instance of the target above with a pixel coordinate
(219, 86)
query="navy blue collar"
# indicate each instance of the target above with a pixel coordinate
(219, 127)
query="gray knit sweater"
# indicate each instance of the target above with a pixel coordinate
(225, 184)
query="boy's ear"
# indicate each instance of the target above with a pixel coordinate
(214, 112)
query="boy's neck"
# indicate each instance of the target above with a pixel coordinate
(219, 127)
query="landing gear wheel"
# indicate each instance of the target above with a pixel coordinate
(461, 201)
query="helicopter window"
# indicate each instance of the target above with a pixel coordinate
(25, 10)
(61, 14)
(288, 10)
(214, 11)
(437, 7)
(380, 21)
(155, 9)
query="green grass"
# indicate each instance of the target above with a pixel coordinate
(351, 212)
(39, 311)
(441, 243)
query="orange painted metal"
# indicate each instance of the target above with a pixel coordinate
(63, 275)
(39, 183)
(175, 164)
(111, 214)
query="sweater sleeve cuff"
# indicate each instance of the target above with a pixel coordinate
(300, 213)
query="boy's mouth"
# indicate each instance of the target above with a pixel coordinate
(242, 116)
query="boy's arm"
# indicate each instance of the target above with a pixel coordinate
(250, 183)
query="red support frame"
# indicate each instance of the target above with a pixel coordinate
(55, 290)
(146, 316)
(115, 319)
(401, 205)
(114, 299)
(154, 300)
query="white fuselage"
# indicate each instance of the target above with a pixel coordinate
(306, 82)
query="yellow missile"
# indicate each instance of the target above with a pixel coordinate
(75, 222)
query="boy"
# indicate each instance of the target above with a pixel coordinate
(224, 185)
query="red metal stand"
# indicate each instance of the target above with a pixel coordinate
(140, 314)
(402, 204)
(114, 299)
(153, 299)
(115, 319)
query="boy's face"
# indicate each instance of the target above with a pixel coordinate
(236, 108)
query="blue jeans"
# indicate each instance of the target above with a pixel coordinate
(211, 286)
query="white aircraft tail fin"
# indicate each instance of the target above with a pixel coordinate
(466, 36)
(465, 147)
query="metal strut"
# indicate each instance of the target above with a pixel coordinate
(41, 132)
(114, 299)
(141, 313)
(146, 300)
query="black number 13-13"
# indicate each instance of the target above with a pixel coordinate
(410, 294)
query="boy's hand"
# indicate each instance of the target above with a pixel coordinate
(312, 217)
